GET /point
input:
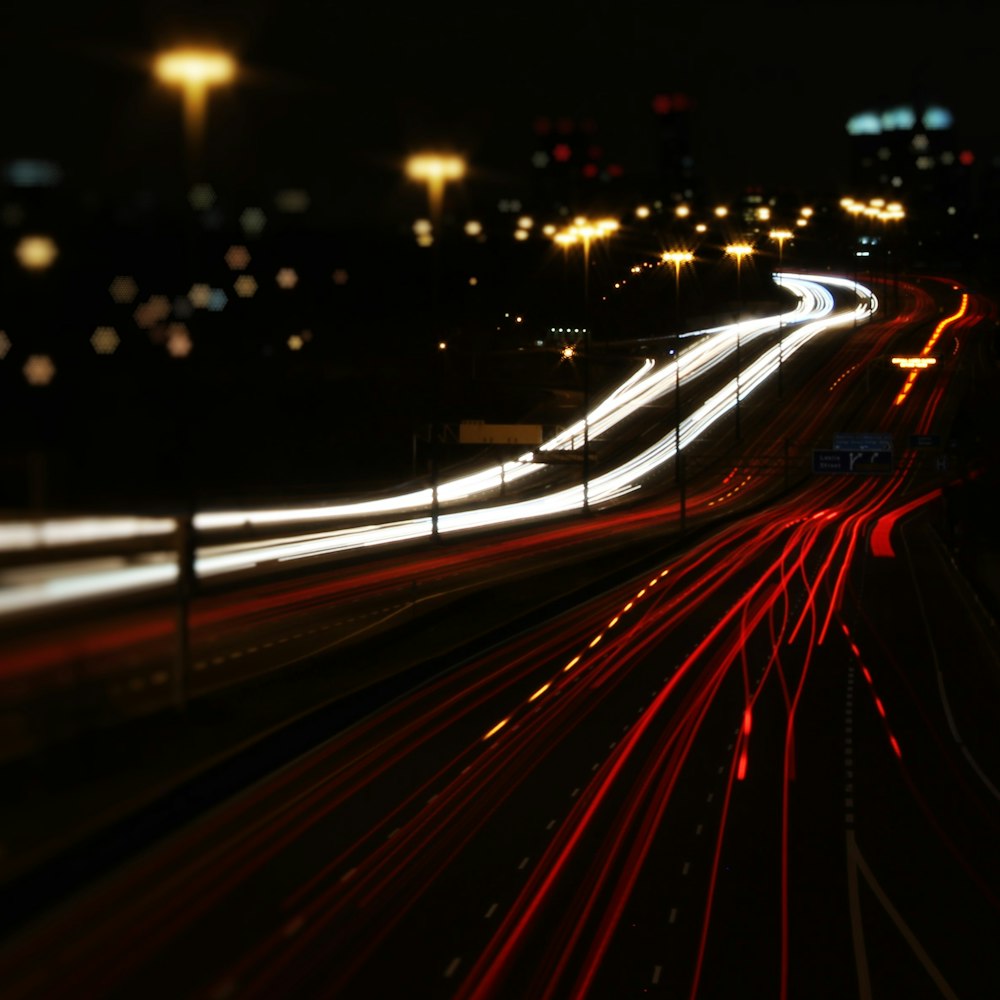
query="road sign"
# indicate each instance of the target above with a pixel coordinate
(839, 460)
(925, 441)
(479, 432)
(862, 442)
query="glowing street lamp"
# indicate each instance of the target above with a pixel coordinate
(195, 71)
(738, 251)
(435, 170)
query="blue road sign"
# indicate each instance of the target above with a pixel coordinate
(838, 460)
(925, 441)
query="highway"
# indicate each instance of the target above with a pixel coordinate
(113, 581)
(762, 763)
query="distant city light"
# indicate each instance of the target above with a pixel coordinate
(178, 340)
(899, 118)
(340, 276)
(123, 288)
(245, 286)
(29, 173)
(473, 227)
(292, 200)
(104, 340)
(202, 197)
(295, 342)
(39, 369)
(253, 220)
(937, 118)
(200, 295)
(287, 278)
(865, 123)
(36, 253)
(237, 258)
(5, 344)
(154, 310)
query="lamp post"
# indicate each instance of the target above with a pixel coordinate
(738, 251)
(584, 232)
(677, 258)
(779, 236)
(194, 71)
(435, 170)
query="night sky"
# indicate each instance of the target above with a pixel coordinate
(337, 94)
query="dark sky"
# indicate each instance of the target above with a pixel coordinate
(341, 92)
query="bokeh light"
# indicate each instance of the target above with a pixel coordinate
(200, 295)
(237, 258)
(245, 286)
(105, 340)
(292, 200)
(123, 289)
(154, 310)
(39, 369)
(178, 340)
(287, 278)
(36, 253)
(253, 220)
(202, 197)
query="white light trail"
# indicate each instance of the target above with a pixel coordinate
(707, 349)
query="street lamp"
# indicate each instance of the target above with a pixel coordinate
(738, 251)
(780, 235)
(677, 258)
(435, 170)
(195, 71)
(584, 231)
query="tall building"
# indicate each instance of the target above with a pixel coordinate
(675, 178)
(913, 153)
